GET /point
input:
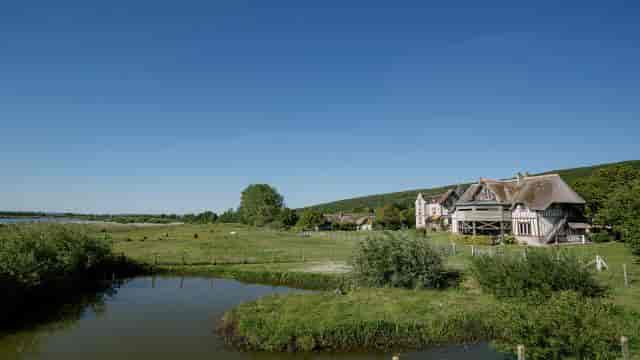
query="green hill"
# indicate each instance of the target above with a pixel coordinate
(407, 198)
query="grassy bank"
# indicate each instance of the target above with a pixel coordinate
(295, 279)
(381, 319)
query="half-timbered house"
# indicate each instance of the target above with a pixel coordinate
(537, 210)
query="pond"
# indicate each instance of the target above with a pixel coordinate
(171, 318)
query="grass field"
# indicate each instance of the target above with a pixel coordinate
(227, 244)
(258, 250)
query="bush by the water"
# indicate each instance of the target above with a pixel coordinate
(539, 275)
(566, 326)
(398, 261)
(43, 263)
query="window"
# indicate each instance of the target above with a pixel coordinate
(524, 228)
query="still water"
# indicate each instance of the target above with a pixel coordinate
(170, 318)
(44, 219)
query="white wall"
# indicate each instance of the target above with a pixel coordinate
(421, 212)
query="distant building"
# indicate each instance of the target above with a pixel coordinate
(340, 218)
(365, 223)
(537, 210)
(434, 211)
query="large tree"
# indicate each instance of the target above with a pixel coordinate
(408, 217)
(288, 217)
(622, 212)
(613, 199)
(260, 204)
(310, 219)
(598, 188)
(389, 217)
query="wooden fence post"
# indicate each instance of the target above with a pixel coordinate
(521, 352)
(600, 263)
(453, 248)
(473, 251)
(624, 343)
(156, 259)
(626, 276)
(524, 252)
(396, 357)
(184, 261)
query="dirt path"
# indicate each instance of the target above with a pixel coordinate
(328, 268)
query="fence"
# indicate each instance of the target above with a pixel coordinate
(521, 350)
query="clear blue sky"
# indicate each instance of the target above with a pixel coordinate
(166, 106)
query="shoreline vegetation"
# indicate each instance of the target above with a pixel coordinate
(364, 319)
(47, 265)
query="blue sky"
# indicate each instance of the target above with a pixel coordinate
(164, 106)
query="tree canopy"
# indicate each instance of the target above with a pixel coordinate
(613, 199)
(288, 217)
(229, 216)
(310, 219)
(260, 204)
(389, 217)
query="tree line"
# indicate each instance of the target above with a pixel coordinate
(613, 203)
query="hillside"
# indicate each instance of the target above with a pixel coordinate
(407, 198)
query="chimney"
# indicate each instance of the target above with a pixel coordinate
(520, 177)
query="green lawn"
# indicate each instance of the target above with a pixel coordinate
(215, 243)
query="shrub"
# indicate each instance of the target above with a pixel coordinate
(508, 239)
(539, 275)
(41, 263)
(567, 325)
(600, 237)
(195, 236)
(398, 261)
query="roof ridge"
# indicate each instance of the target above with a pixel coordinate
(541, 175)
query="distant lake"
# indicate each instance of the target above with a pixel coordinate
(44, 219)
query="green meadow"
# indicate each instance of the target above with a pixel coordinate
(243, 248)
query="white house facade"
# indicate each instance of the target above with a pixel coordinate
(434, 211)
